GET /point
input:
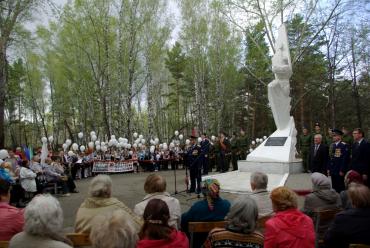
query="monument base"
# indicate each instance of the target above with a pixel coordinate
(271, 167)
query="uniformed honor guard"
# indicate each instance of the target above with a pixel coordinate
(305, 141)
(243, 145)
(194, 165)
(317, 130)
(205, 145)
(339, 158)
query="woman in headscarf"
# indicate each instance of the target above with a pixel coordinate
(323, 197)
(211, 208)
(350, 177)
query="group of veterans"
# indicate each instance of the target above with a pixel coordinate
(335, 154)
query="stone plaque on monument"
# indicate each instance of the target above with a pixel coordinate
(276, 141)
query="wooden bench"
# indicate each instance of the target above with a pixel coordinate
(4, 244)
(79, 239)
(323, 216)
(359, 246)
(203, 227)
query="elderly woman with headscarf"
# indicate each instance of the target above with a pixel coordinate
(211, 208)
(350, 177)
(241, 227)
(323, 197)
(289, 227)
(101, 202)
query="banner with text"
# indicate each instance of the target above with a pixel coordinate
(112, 167)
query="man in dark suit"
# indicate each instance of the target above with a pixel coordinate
(319, 155)
(360, 159)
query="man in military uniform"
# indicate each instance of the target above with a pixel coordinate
(304, 147)
(194, 164)
(243, 145)
(317, 130)
(205, 145)
(234, 151)
(338, 164)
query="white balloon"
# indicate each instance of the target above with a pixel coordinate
(135, 135)
(176, 132)
(44, 140)
(4, 154)
(213, 137)
(80, 135)
(143, 141)
(152, 148)
(91, 145)
(82, 148)
(102, 144)
(93, 138)
(253, 142)
(64, 146)
(199, 139)
(139, 145)
(128, 146)
(141, 136)
(156, 140)
(120, 139)
(137, 141)
(70, 153)
(172, 145)
(113, 136)
(264, 137)
(134, 145)
(130, 152)
(165, 147)
(115, 142)
(74, 147)
(160, 146)
(181, 136)
(68, 142)
(97, 142)
(125, 141)
(187, 141)
(158, 156)
(110, 143)
(104, 148)
(92, 133)
(152, 142)
(251, 150)
(51, 139)
(98, 147)
(119, 145)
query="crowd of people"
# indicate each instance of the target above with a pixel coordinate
(157, 220)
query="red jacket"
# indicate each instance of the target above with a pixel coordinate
(11, 221)
(177, 239)
(289, 229)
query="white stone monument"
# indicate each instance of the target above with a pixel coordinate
(277, 153)
(275, 156)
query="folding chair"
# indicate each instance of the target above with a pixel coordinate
(325, 216)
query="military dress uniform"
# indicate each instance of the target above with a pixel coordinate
(339, 158)
(305, 142)
(195, 168)
(243, 146)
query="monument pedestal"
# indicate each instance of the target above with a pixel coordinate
(271, 167)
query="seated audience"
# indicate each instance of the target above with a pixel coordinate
(350, 177)
(260, 194)
(288, 228)
(351, 226)
(241, 227)
(52, 176)
(323, 197)
(113, 230)
(4, 173)
(11, 218)
(100, 201)
(156, 231)
(212, 208)
(155, 187)
(43, 225)
(59, 168)
(27, 178)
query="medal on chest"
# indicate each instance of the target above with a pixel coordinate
(337, 153)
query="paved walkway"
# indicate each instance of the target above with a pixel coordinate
(128, 188)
